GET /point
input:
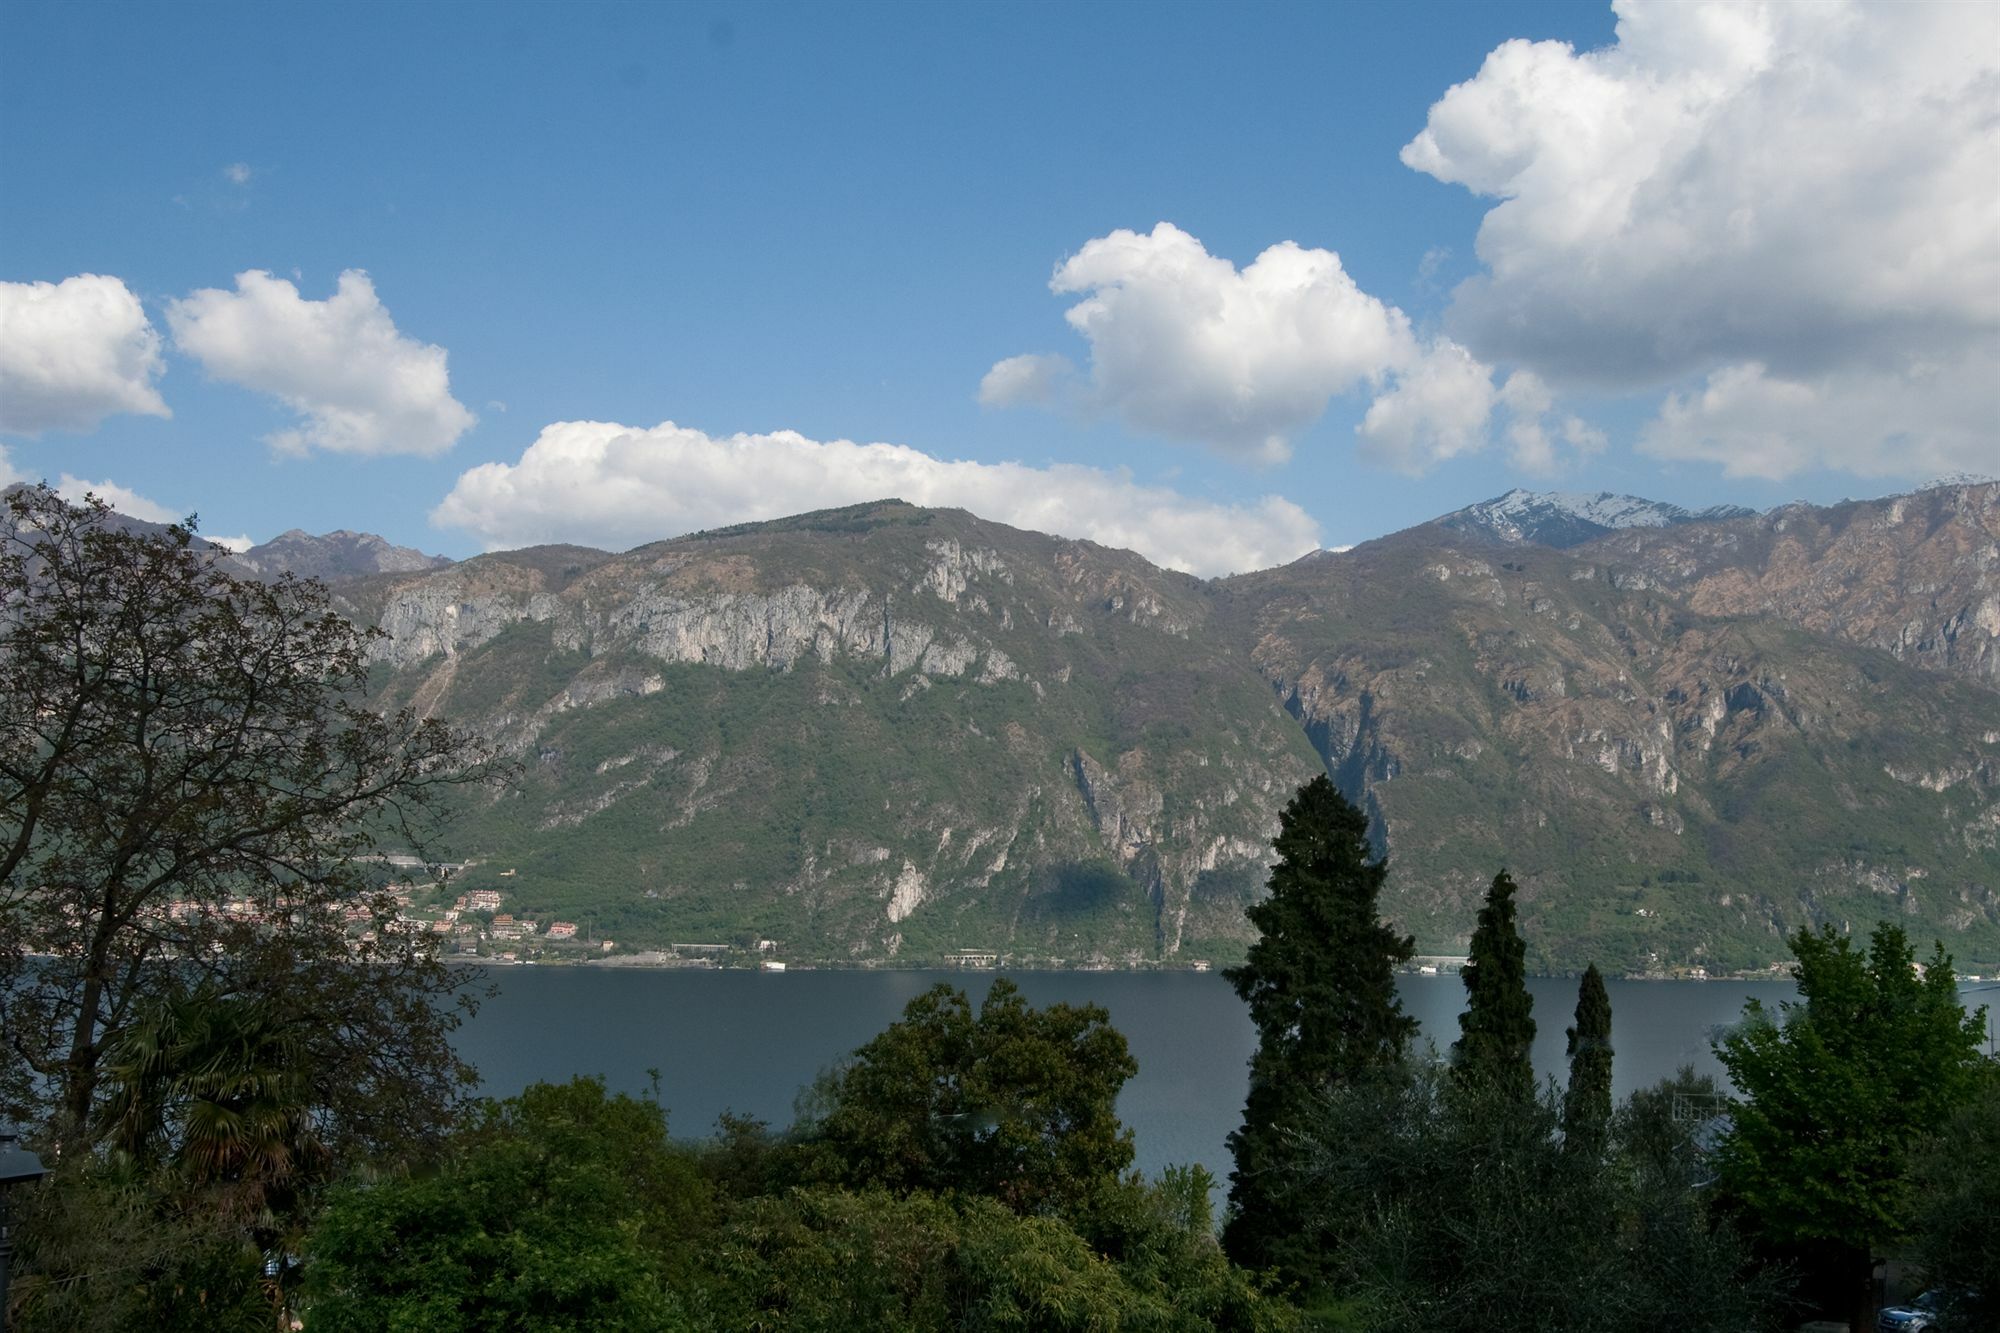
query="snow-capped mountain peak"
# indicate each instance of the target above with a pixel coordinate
(1570, 518)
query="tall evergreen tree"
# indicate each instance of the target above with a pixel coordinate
(1587, 1105)
(1320, 982)
(1497, 1029)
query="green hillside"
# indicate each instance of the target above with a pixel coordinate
(888, 733)
(1669, 788)
(895, 733)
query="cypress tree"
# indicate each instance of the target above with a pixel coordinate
(1587, 1104)
(1321, 986)
(1497, 1029)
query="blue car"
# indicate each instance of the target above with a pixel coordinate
(1919, 1316)
(1929, 1311)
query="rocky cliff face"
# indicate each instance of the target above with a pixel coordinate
(872, 733)
(1674, 771)
(1917, 576)
(887, 732)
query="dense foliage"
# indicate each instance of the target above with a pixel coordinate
(566, 1208)
(834, 1260)
(1455, 1207)
(1586, 1110)
(1014, 1103)
(1955, 1228)
(108, 1245)
(1321, 986)
(1836, 1091)
(1497, 1029)
(561, 1209)
(216, 1089)
(1397, 1194)
(204, 1006)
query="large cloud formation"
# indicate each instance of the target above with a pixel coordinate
(73, 353)
(1920, 420)
(1186, 346)
(1798, 204)
(359, 385)
(607, 485)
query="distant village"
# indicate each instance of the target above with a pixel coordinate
(474, 927)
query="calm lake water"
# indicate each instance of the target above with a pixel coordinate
(748, 1041)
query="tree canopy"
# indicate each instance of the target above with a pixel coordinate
(1587, 1103)
(568, 1208)
(1955, 1231)
(1320, 981)
(1015, 1103)
(194, 791)
(1453, 1206)
(1838, 1087)
(216, 1090)
(559, 1211)
(1497, 1029)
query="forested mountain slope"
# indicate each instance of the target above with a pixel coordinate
(1670, 781)
(873, 733)
(888, 732)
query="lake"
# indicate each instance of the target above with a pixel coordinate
(749, 1041)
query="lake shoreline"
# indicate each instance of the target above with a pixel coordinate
(633, 963)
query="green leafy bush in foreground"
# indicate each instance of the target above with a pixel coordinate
(965, 1170)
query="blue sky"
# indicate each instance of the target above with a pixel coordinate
(809, 224)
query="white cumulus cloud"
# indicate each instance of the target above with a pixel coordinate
(1929, 420)
(603, 484)
(1441, 406)
(73, 353)
(1801, 200)
(1185, 345)
(1535, 432)
(122, 498)
(1438, 409)
(358, 384)
(1038, 379)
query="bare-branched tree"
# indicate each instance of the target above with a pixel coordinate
(195, 792)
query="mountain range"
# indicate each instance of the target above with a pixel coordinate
(333, 556)
(1563, 519)
(885, 733)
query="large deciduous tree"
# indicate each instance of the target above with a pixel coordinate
(196, 793)
(1015, 1103)
(1497, 1029)
(1837, 1088)
(1320, 982)
(563, 1208)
